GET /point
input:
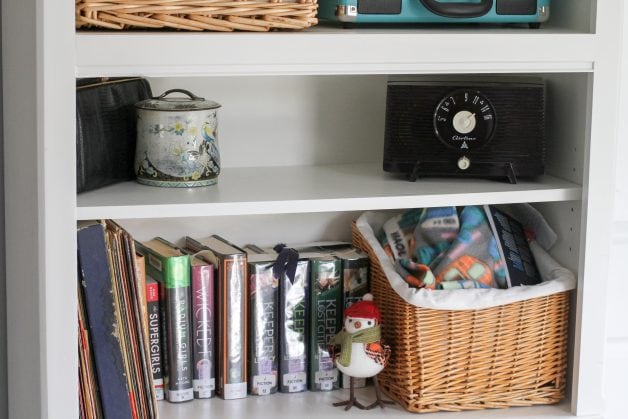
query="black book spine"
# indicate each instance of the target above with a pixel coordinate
(263, 330)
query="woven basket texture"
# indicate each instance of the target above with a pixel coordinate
(445, 360)
(196, 15)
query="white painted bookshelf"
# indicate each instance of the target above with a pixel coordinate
(301, 141)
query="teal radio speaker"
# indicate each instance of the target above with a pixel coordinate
(532, 12)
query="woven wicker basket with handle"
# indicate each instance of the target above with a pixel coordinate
(196, 15)
(452, 360)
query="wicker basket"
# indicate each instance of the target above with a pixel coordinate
(196, 15)
(446, 360)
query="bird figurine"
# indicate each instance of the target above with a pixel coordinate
(362, 353)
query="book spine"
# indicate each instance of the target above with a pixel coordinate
(293, 331)
(263, 348)
(325, 322)
(140, 272)
(153, 311)
(355, 283)
(178, 312)
(232, 309)
(203, 331)
(141, 317)
(89, 400)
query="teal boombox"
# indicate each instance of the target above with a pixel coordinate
(532, 12)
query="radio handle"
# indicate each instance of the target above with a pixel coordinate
(458, 10)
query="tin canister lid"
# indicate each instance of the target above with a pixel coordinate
(190, 103)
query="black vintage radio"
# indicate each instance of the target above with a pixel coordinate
(489, 128)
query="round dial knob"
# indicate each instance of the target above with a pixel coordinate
(464, 163)
(464, 120)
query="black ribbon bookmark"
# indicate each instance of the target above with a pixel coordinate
(286, 262)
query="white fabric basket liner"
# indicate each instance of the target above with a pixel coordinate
(555, 278)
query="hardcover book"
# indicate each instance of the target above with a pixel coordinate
(325, 320)
(155, 335)
(252, 249)
(232, 312)
(355, 283)
(203, 328)
(171, 268)
(294, 329)
(513, 247)
(263, 325)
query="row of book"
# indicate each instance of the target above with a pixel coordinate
(159, 321)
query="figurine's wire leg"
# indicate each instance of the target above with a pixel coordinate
(378, 393)
(352, 400)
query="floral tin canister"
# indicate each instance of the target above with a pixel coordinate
(177, 143)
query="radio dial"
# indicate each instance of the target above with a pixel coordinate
(464, 163)
(465, 120)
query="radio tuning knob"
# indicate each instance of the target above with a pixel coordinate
(464, 163)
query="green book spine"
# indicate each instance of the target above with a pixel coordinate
(325, 322)
(178, 310)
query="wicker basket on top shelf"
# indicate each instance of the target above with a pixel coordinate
(196, 15)
(452, 360)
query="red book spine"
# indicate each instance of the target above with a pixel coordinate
(153, 312)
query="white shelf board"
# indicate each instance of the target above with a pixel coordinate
(332, 50)
(306, 189)
(315, 405)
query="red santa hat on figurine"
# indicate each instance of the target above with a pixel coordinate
(365, 309)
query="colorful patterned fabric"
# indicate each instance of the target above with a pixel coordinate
(449, 250)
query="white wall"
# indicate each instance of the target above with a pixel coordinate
(616, 360)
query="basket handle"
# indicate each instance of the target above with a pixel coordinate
(458, 10)
(191, 95)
